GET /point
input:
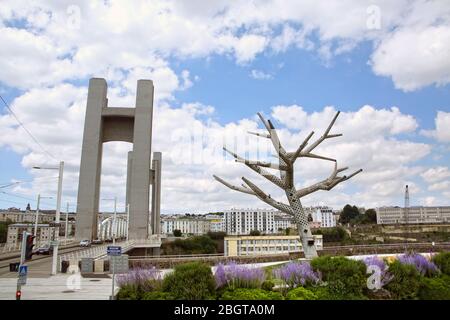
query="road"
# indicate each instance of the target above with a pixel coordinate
(39, 266)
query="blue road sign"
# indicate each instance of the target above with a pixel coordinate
(23, 270)
(114, 250)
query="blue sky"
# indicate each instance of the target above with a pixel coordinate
(216, 72)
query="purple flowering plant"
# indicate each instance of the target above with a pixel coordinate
(424, 266)
(296, 274)
(145, 279)
(386, 276)
(234, 276)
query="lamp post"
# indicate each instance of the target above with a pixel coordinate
(67, 222)
(57, 214)
(36, 222)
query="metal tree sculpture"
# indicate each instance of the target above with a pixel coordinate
(286, 179)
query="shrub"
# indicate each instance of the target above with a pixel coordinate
(296, 274)
(422, 264)
(190, 281)
(137, 281)
(437, 288)
(268, 285)
(442, 260)
(346, 279)
(250, 294)
(128, 292)
(235, 276)
(301, 293)
(405, 281)
(157, 295)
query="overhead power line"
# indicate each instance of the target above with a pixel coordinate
(26, 130)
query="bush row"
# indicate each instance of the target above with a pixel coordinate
(411, 276)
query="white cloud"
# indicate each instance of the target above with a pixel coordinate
(442, 123)
(436, 174)
(105, 37)
(260, 75)
(415, 57)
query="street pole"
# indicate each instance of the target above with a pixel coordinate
(67, 221)
(37, 217)
(114, 223)
(57, 216)
(128, 219)
(113, 264)
(22, 260)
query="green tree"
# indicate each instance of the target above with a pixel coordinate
(371, 216)
(255, 233)
(4, 230)
(177, 233)
(348, 214)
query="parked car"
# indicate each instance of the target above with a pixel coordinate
(97, 241)
(45, 249)
(85, 243)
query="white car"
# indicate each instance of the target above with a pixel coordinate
(85, 243)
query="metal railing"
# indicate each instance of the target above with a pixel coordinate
(100, 251)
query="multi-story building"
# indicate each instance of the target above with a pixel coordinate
(269, 244)
(325, 216)
(243, 221)
(187, 225)
(414, 215)
(27, 216)
(43, 235)
(283, 221)
(215, 222)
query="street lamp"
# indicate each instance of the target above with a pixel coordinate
(114, 219)
(37, 215)
(57, 214)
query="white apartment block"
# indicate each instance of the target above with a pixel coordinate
(193, 225)
(243, 221)
(27, 216)
(283, 221)
(269, 244)
(15, 231)
(215, 223)
(325, 216)
(416, 215)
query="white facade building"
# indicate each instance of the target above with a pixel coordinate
(283, 221)
(416, 215)
(243, 221)
(325, 216)
(186, 225)
(260, 245)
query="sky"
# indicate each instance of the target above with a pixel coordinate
(384, 64)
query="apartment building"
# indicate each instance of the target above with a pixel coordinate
(269, 244)
(325, 216)
(243, 221)
(414, 215)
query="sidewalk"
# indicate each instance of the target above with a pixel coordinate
(59, 287)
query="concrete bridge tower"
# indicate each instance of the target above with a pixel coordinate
(103, 124)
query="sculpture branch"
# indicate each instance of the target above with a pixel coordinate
(272, 178)
(240, 189)
(326, 135)
(328, 183)
(267, 199)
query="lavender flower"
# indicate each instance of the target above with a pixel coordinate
(296, 274)
(143, 279)
(381, 264)
(238, 276)
(422, 264)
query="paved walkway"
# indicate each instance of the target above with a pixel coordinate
(59, 287)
